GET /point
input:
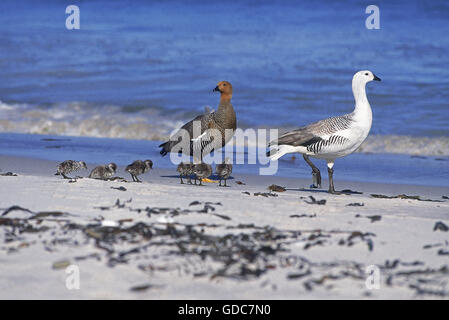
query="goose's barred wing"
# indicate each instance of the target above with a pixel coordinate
(203, 121)
(315, 132)
(206, 142)
(326, 145)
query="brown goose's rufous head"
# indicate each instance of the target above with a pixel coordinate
(225, 88)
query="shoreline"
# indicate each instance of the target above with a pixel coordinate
(46, 168)
(382, 168)
(388, 144)
(334, 238)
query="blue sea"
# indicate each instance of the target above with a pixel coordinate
(139, 69)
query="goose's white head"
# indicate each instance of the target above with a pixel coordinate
(365, 76)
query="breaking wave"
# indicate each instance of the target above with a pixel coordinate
(109, 121)
(434, 146)
(82, 119)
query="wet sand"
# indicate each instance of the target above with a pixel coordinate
(160, 239)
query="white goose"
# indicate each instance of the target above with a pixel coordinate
(330, 138)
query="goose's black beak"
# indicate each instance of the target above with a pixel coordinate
(216, 89)
(376, 77)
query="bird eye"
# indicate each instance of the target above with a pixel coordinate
(224, 84)
(366, 74)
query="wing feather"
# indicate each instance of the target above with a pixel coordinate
(314, 132)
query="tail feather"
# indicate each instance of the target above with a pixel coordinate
(166, 147)
(278, 151)
(274, 154)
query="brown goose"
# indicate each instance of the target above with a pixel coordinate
(201, 140)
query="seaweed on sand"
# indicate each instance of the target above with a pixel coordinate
(314, 201)
(403, 196)
(229, 251)
(441, 227)
(277, 188)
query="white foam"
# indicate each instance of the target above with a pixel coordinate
(81, 119)
(431, 146)
(78, 119)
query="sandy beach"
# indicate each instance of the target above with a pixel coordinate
(163, 240)
(362, 89)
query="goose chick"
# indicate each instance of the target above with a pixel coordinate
(103, 172)
(68, 166)
(224, 170)
(202, 171)
(139, 167)
(185, 170)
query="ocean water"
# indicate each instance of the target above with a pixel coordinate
(139, 69)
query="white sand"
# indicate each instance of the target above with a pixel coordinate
(335, 268)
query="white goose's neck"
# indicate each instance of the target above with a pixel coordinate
(362, 111)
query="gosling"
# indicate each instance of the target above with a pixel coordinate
(139, 167)
(68, 166)
(202, 171)
(103, 172)
(224, 170)
(185, 170)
